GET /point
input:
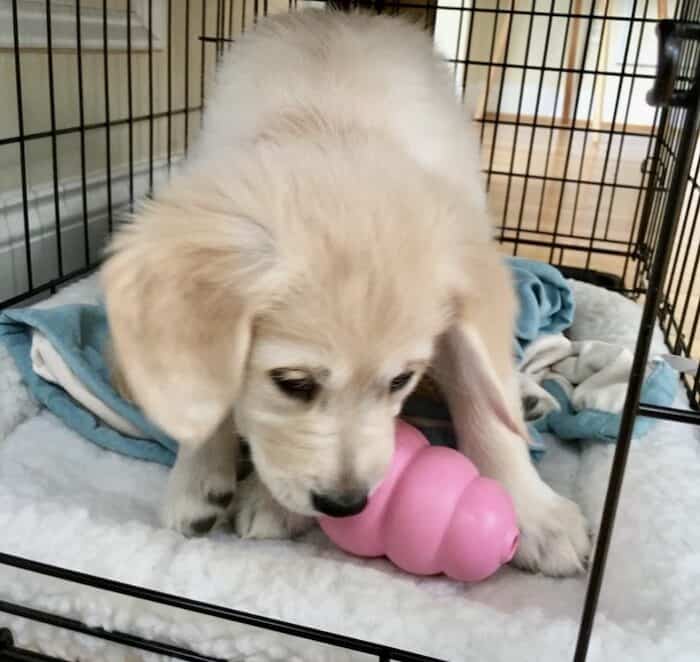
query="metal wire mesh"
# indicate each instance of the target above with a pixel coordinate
(564, 148)
(563, 125)
(678, 306)
(119, 115)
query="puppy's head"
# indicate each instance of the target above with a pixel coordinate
(307, 299)
(328, 372)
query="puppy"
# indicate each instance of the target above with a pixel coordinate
(326, 244)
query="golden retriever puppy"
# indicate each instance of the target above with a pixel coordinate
(327, 242)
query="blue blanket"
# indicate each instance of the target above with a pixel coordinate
(546, 303)
(79, 334)
(659, 389)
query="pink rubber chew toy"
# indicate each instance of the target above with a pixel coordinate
(433, 513)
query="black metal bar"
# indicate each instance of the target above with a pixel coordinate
(19, 655)
(637, 374)
(651, 182)
(130, 104)
(696, 317)
(465, 73)
(170, 83)
(690, 389)
(665, 153)
(219, 32)
(533, 131)
(689, 416)
(637, 206)
(54, 150)
(683, 346)
(562, 246)
(81, 112)
(666, 160)
(458, 41)
(222, 30)
(150, 97)
(202, 56)
(99, 125)
(370, 4)
(516, 133)
(108, 126)
(608, 147)
(51, 286)
(668, 152)
(22, 146)
(574, 115)
(216, 40)
(563, 180)
(215, 611)
(684, 242)
(553, 122)
(115, 636)
(489, 64)
(10, 653)
(669, 148)
(501, 85)
(668, 61)
(534, 67)
(187, 75)
(622, 250)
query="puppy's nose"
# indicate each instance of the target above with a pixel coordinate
(339, 504)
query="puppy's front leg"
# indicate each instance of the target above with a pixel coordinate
(202, 483)
(554, 537)
(259, 515)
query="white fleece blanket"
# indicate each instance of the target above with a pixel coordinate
(66, 502)
(592, 374)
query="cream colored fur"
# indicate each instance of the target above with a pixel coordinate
(331, 223)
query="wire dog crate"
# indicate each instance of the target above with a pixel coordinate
(582, 173)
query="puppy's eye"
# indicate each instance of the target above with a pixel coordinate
(400, 381)
(302, 387)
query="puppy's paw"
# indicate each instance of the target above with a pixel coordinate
(200, 492)
(554, 536)
(258, 515)
(195, 507)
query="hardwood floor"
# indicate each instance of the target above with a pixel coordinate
(582, 191)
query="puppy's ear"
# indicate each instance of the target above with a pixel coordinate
(181, 287)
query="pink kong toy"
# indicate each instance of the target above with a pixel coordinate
(432, 513)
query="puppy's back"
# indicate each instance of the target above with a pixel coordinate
(341, 72)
